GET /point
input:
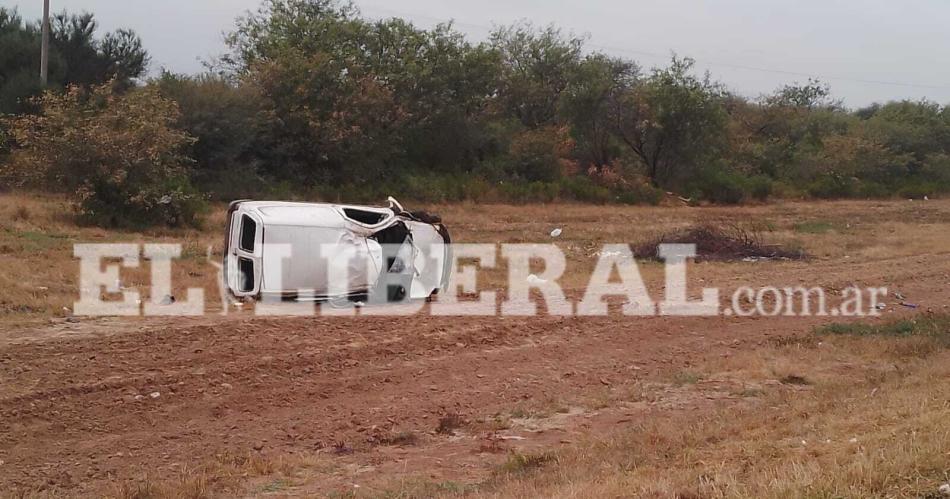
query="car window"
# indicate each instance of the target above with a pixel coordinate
(364, 216)
(246, 270)
(248, 233)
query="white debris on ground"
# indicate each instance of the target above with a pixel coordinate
(557, 232)
(944, 489)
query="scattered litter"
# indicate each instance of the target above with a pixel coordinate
(533, 279)
(944, 489)
(853, 440)
(42, 288)
(898, 295)
(880, 306)
(926, 198)
(167, 300)
(909, 305)
(155, 395)
(510, 437)
(139, 397)
(556, 232)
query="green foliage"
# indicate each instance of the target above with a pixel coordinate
(537, 66)
(596, 85)
(674, 122)
(119, 155)
(719, 186)
(930, 326)
(315, 100)
(228, 122)
(831, 186)
(77, 57)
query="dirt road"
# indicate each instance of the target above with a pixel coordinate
(88, 404)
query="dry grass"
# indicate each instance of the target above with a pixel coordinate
(872, 423)
(40, 276)
(869, 422)
(227, 475)
(851, 412)
(39, 281)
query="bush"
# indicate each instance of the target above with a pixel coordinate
(536, 154)
(118, 154)
(227, 123)
(918, 190)
(584, 189)
(639, 194)
(759, 187)
(830, 186)
(720, 186)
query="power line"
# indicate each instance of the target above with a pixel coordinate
(707, 62)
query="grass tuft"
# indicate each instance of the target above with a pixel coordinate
(935, 327)
(523, 463)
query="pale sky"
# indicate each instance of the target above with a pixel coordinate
(867, 50)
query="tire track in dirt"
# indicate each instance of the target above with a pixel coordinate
(301, 384)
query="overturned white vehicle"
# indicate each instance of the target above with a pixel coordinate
(321, 252)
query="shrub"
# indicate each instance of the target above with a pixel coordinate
(720, 186)
(918, 190)
(759, 187)
(584, 189)
(118, 154)
(639, 194)
(536, 154)
(874, 190)
(227, 123)
(831, 186)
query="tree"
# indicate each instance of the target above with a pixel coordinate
(119, 155)
(228, 122)
(783, 134)
(674, 122)
(76, 57)
(597, 84)
(921, 129)
(537, 67)
(19, 64)
(353, 99)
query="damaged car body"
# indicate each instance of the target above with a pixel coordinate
(326, 252)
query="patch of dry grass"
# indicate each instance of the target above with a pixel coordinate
(37, 233)
(227, 475)
(870, 423)
(40, 275)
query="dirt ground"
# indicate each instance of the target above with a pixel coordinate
(418, 406)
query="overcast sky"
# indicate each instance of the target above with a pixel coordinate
(867, 50)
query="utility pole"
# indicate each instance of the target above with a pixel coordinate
(44, 49)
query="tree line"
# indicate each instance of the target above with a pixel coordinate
(313, 100)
